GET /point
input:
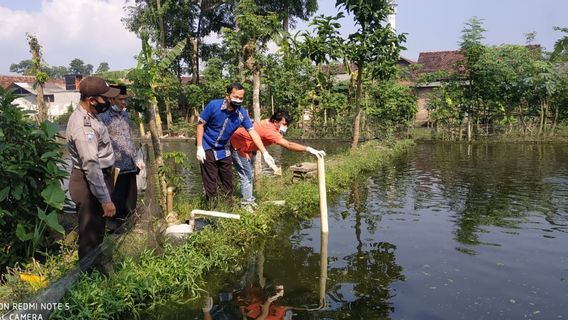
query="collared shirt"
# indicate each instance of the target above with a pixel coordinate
(219, 126)
(90, 149)
(118, 125)
(242, 141)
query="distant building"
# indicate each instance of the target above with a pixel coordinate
(431, 62)
(448, 62)
(59, 94)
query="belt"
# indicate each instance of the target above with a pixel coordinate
(107, 171)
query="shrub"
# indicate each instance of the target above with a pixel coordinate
(30, 193)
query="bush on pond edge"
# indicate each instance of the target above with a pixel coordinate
(176, 272)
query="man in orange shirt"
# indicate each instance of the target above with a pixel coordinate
(243, 148)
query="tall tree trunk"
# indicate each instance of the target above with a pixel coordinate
(41, 105)
(522, 118)
(545, 106)
(161, 25)
(554, 122)
(35, 49)
(158, 119)
(142, 131)
(169, 118)
(158, 152)
(286, 20)
(542, 117)
(357, 118)
(194, 61)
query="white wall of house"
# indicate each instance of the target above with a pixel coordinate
(62, 101)
(60, 105)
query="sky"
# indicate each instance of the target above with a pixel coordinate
(92, 30)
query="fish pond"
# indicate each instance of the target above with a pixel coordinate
(445, 231)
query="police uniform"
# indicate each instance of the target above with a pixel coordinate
(90, 183)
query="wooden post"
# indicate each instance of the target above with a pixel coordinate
(170, 201)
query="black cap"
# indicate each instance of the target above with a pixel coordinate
(95, 86)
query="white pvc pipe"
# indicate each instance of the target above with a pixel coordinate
(322, 195)
(198, 212)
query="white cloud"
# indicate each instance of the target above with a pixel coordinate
(90, 30)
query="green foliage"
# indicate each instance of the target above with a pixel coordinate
(31, 194)
(391, 105)
(326, 45)
(103, 67)
(176, 274)
(560, 52)
(175, 162)
(77, 66)
(472, 33)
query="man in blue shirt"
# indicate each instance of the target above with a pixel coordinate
(217, 123)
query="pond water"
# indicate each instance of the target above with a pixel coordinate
(447, 231)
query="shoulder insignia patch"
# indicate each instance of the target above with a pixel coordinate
(86, 121)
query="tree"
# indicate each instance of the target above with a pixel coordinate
(473, 49)
(325, 46)
(374, 43)
(103, 67)
(24, 67)
(472, 33)
(168, 22)
(40, 76)
(254, 29)
(289, 10)
(77, 66)
(147, 78)
(57, 72)
(560, 52)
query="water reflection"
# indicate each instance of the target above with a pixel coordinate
(448, 231)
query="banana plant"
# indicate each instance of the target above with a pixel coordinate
(152, 72)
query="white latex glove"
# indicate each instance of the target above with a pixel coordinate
(207, 304)
(279, 293)
(200, 154)
(317, 153)
(269, 160)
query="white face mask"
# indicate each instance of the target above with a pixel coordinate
(283, 129)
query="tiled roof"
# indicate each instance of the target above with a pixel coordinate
(7, 81)
(439, 61)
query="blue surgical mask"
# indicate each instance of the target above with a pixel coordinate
(283, 129)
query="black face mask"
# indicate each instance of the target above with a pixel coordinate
(236, 104)
(102, 107)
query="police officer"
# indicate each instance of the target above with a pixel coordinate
(90, 184)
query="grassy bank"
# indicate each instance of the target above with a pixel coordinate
(154, 277)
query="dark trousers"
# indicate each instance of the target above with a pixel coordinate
(90, 212)
(124, 196)
(217, 176)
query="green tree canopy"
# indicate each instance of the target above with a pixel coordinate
(77, 66)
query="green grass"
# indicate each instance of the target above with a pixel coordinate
(150, 279)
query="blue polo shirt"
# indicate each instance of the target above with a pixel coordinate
(219, 126)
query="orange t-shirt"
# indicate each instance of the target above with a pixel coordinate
(274, 313)
(242, 142)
